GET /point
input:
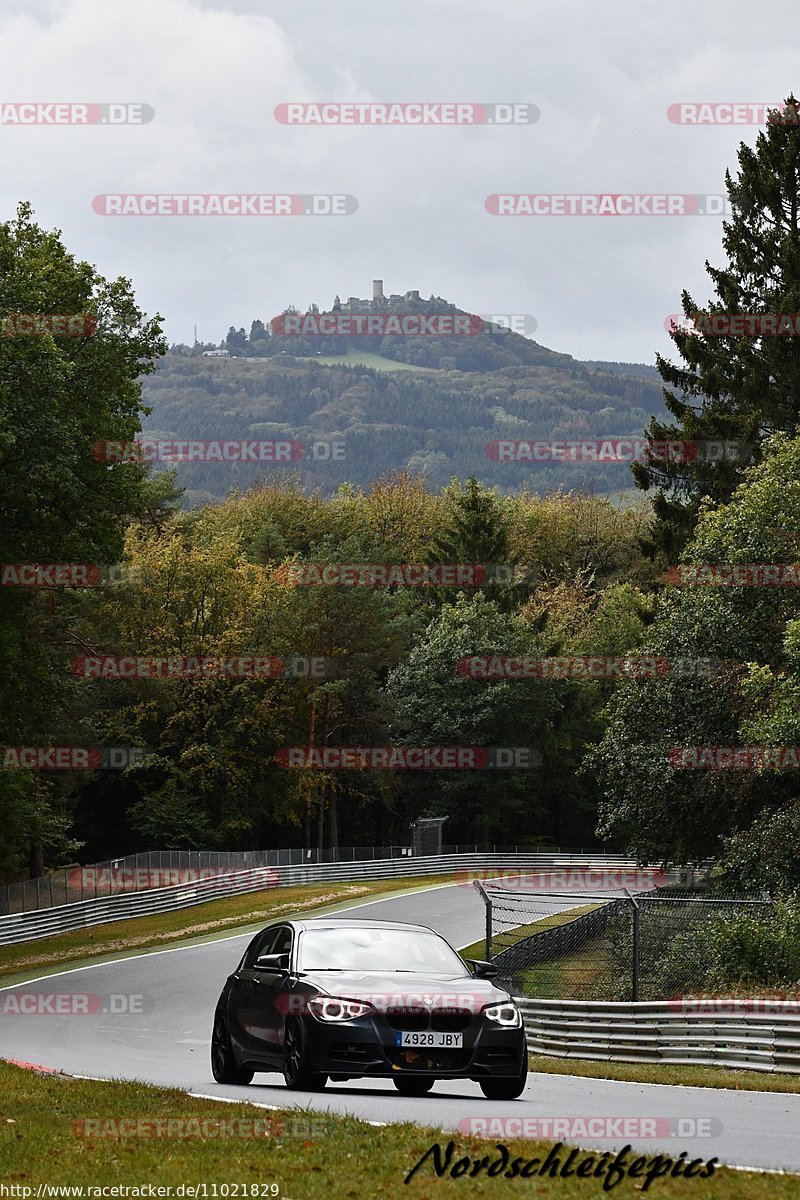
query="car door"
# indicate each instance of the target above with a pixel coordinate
(243, 1005)
(271, 993)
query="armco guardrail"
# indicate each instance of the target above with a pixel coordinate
(753, 1035)
(29, 926)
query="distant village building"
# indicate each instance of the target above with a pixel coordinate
(216, 354)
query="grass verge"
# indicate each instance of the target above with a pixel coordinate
(214, 918)
(585, 972)
(478, 949)
(45, 1139)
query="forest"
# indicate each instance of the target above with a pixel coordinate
(414, 631)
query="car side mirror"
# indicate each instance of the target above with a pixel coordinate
(483, 970)
(272, 962)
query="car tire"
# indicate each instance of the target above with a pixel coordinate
(506, 1089)
(297, 1069)
(413, 1085)
(223, 1063)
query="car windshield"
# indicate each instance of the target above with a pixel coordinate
(374, 949)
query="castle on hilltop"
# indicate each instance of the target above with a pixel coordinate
(378, 303)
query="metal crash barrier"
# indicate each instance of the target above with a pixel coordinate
(752, 1035)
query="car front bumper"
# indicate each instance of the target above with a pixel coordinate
(366, 1046)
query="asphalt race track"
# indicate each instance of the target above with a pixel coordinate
(166, 1041)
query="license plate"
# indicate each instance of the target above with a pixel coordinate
(453, 1041)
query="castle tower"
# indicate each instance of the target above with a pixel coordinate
(377, 289)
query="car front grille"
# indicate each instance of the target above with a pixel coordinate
(406, 1018)
(450, 1020)
(442, 1020)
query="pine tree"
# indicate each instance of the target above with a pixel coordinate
(734, 389)
(476, 532)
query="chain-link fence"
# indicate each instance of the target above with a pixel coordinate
(606, 945)
(163, 868)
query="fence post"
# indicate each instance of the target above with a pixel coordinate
(635, 953)
(476, 883)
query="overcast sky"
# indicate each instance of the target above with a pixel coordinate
(602, 74)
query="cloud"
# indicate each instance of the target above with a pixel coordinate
(603, 77)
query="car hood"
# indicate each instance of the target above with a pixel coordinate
(430, 991)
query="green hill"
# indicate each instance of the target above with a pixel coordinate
(440, 417)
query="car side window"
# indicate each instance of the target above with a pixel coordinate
(262, 944)
(283, 942)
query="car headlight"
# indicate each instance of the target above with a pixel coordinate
(337, 1008)
(507, 1015)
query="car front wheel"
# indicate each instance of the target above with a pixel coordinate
(413, 1085)
(506, 1089)
(223, 1064)
(297, 1068)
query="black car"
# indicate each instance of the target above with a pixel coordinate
(343, 999)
